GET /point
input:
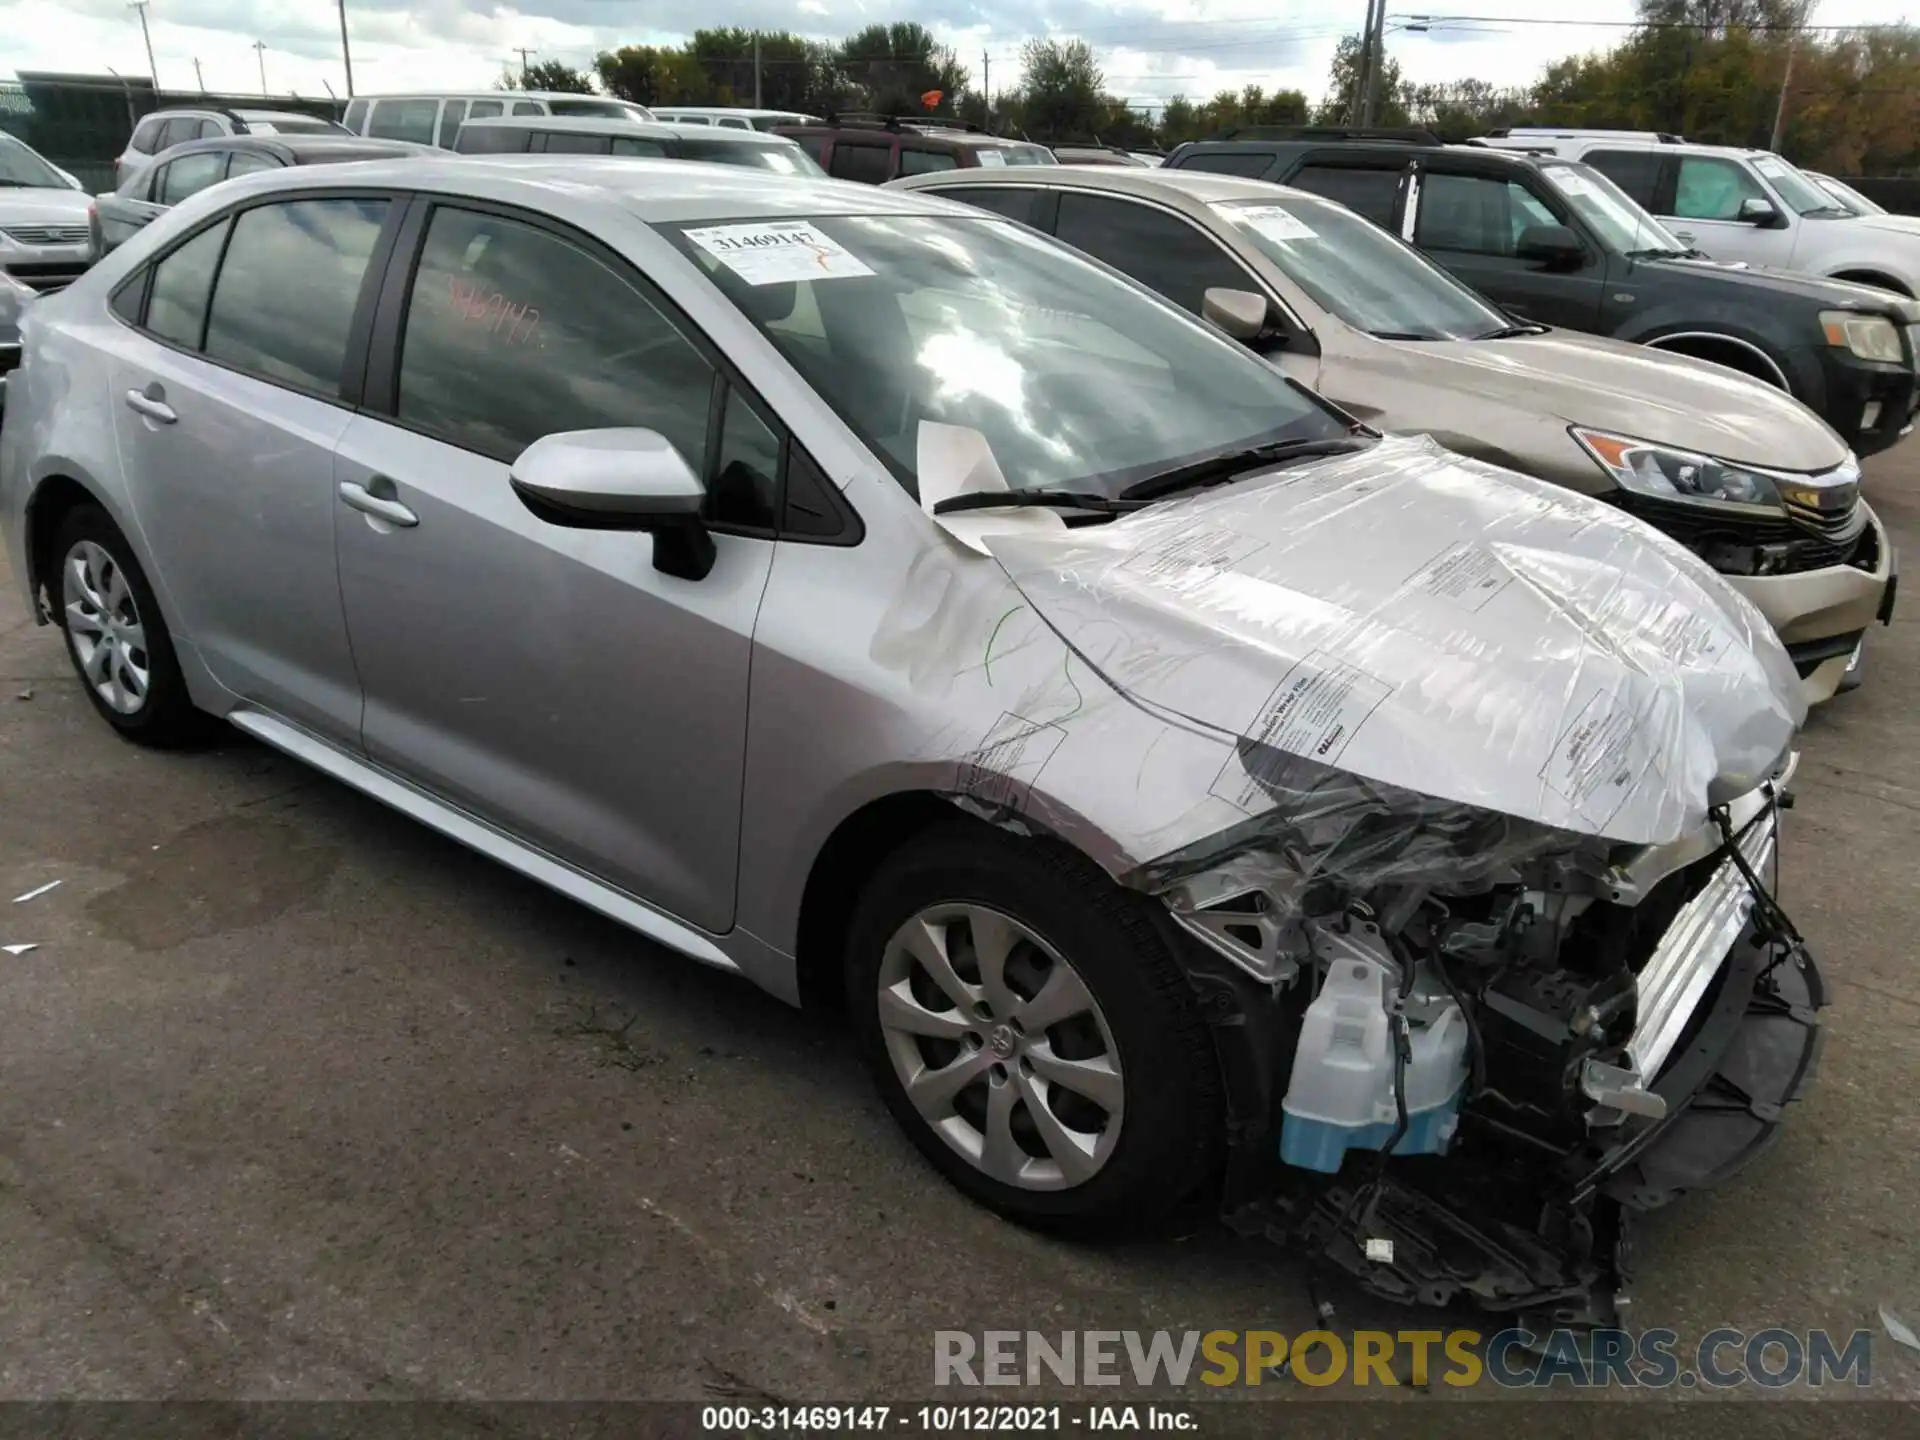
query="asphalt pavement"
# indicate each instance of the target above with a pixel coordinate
(300, 1101)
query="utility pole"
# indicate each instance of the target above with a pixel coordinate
(346, 53)
(522, 51)
(756, 70)
(197, 80)
(152, 73)
(260, 54)
(1780, 110)
(1359, 96)
(986, 90)
(1376, 60)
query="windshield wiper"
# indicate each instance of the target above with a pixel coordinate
(1403, 335)
(1512, 332)
(1052, 499)
(1217, 469)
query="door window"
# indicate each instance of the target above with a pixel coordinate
(1635, 171)
(1160, 250)
(191, 174)
(1713, 189)
(814, 145)
(745, 481)
(1228, 162)
(1020, 203)
(356, 115)
(513, 333)
(410, 119)
(869, 164)
(528, 107)
(1365, 192)
(293, 333)
(627, 145)
(451, 114)
(486, 109)
(561, 143)
(1476, 214)
(925, 162)
(178, 131)
(146, 135)
(177, 308)
(245, 162)
(491, 140)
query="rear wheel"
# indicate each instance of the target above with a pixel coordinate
(116, 638)
(1031, 1031)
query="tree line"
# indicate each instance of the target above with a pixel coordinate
(1713, 70)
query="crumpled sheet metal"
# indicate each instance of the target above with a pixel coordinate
(1398, 666)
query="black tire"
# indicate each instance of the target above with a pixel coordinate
(166, 716)
(1172, 1133)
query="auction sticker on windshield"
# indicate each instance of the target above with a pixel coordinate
(770, 253)
(1277, 223)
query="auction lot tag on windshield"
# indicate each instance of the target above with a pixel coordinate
(1277, 223)
(769, 253)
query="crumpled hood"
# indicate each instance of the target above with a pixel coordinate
(1649, 394)
(43, 207)
(1434, 623)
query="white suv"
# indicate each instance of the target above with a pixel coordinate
(1739, 204)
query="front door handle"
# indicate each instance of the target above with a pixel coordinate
(1686, 235)
(368, 503)
(148, 406)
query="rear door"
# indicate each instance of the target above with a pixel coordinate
(548, 679)
(229, 395)
(1471, 222)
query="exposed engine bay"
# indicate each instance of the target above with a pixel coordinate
(1463, 1048)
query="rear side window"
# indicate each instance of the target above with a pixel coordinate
(146, 135)
(245, 162)
(1635, 171)
(295, 334)
(528, 107)
(1161, 251)
(513, 333)
(561, 143)
(356, 117)
(491, 140)
(627, 145)
(486, 109)
(411, 119)
(925, 162)
(1365, 192)
(1228, 162)
(191, 174)
(869, 164)
(177, 308)
(451, 114)
(1016, 204)
(814, 145)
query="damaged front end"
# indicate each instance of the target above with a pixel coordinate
(1546, 1033)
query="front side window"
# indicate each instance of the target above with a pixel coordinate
(925, 162)
(246, 162)
(1609, 212)
(868, 164)
(287, 289)
(1074, 378)
(1020, 203)
(1713, 189)
(191, 174)
(177, 308)
(410, 119)
(1359, 272)
(1228, 162)
(627, 145)
(356, 116)
(451, 114)
(1366, 192)
(1160, 250)
(1470, 214)
(492, 140)
(513, 333)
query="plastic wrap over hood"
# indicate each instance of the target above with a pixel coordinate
(1437, 624)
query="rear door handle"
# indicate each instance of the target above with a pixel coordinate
(368, 503)
(151, 408)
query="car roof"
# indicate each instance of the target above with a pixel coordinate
(609, 125)
(313, 149)
(492, 95)
(653, 191)
(1199, 187)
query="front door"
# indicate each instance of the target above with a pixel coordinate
(227, 406)
(547, 679)
(1707, 195)
(1472, 224)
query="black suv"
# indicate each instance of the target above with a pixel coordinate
(1556, 242)
(876, 149)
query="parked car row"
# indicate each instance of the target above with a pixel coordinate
(1187, 790)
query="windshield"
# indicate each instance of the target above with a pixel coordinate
(782, 157)
(19, 166)
(1803, 197)
(600, 109)
(1077, 379)
(1359, 272)
(1611, 213)
(1846, 195)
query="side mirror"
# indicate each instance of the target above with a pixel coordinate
(1755, 211)
(1239, 313)
(1554, 246)
(627, 479)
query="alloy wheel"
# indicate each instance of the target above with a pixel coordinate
(104, 628)
(1001, 1047)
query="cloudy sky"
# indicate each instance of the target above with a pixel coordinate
(1150, 50)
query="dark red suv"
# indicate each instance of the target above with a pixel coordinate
(876, 150)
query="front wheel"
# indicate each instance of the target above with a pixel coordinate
(1031, 1031)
